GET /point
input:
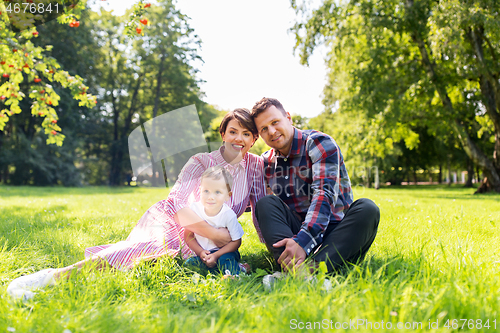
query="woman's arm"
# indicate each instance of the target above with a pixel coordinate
(188, 219)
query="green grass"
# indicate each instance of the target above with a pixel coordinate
(433, 259)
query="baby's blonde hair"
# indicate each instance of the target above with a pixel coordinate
(217, 172)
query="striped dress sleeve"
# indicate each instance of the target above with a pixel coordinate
(187, 183)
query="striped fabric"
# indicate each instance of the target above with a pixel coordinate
(313, 181)
(157, 234)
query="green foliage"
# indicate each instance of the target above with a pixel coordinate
(433, 259)
(134, 80)
(23, 62)
(381, 92)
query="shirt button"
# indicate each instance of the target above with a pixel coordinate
(287, 195)
(286, 177)
(286, 159)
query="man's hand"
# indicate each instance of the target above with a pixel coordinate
(292, 256)
(211, 260)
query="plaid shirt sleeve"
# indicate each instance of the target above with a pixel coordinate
(325, 158)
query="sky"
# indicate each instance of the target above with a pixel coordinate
(248, 54)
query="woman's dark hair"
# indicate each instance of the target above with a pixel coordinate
(243, 117)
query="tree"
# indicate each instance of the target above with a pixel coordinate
(399, 64)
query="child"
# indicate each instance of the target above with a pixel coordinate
(215, 189)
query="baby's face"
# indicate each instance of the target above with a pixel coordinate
(213, 194)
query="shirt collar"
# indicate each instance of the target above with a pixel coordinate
(297, 144)
(219, 159)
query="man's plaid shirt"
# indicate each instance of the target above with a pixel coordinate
(313, 181)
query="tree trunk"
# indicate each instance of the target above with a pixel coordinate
(471, 149)
(440, 177)
(155, 112)
(449, 171)
(470, 173)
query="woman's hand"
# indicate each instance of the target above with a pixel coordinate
(221, 237)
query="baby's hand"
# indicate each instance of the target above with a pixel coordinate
(204, 254)
(211, 260)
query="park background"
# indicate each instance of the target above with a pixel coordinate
(408, 89)
(372, 91)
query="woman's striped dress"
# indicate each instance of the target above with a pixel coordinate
(157, 234)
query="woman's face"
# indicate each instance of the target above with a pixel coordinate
(238, 139)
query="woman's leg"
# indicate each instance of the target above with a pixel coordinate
(93, 262)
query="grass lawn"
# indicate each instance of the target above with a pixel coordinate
(436, 258)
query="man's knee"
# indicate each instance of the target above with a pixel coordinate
(369, 209)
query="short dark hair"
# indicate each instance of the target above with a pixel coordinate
(217, 172)
(243, 117)
(264, 104)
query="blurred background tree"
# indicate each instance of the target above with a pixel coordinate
(409, 82)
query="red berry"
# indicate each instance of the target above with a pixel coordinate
(53, 133)
(2, 97)
(1, 115)
(95, 102)
(11, 66)
(51, 72)
(37, 80)
(14, 50)
(54, 121)
(35, 33)
(26, 66)
(5, 75)
(139, 30)
(147, 5)
(42, 99)
(2, 62)
(13, 95)
(71, 25)
(49, 102)
(42, 91)
(144, 21)
(40, 113)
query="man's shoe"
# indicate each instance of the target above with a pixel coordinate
(269, 280)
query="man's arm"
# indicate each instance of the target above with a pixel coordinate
(188, 219)
(326, 160)
(325, 157)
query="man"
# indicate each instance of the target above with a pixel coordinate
(312, 213)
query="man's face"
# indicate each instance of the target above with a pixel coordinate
(275, 129)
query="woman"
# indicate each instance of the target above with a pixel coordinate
(160, 231)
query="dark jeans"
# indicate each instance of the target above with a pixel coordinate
(228, 261)
(345, 242)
